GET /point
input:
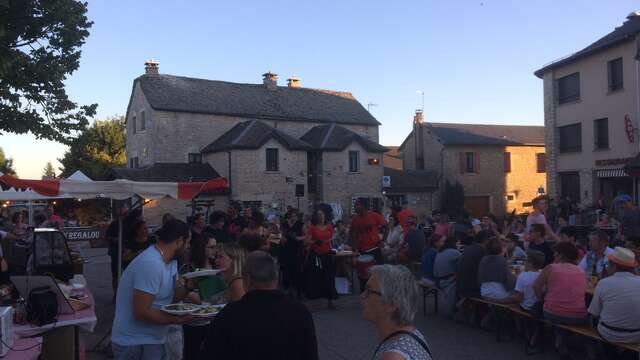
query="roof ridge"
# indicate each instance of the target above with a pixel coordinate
(470, 124)
(243, 133)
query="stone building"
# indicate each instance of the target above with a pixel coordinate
(277, 145)
(591, 111)
(500, 167)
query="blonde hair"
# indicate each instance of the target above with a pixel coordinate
(238, 256)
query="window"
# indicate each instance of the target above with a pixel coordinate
(354, 161)
(541, 162)
(272, 159)
(133, 162)
(471, 163)
(570, 186)
(145, 153)
(570, 138)
(569, 88)
(195, 158)
(614, 69)
(143, 121)
(507, 162)
(133, 124)
(510, 197)
(601, 133)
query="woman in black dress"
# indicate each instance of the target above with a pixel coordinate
(291, 254)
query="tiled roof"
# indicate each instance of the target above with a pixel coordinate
(411, 180)
(252, 135)
(393, 158)
(477, 134)
(167, 172)
(626, 31)
(256, 101)
(334, 137)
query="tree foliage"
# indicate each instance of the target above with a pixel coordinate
(453, 200)
(48, 171)
(39, 47)
(97, 149)
(6, 164)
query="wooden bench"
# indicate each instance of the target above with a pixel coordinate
(583, 330)
(428, 290)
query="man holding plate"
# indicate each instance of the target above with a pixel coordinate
(148, 284)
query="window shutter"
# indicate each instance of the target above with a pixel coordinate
(462, 162)
(541, 162)
(476, 162)
(507, 162)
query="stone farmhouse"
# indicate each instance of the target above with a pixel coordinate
(501, 167)
(277, 145)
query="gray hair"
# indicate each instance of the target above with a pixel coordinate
(398, 287)
(261, 267)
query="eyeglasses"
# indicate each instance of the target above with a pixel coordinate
(368, 291)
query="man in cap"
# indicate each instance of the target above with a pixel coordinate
(615, 300)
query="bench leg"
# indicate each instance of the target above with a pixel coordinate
(435, 300)
(424, 302)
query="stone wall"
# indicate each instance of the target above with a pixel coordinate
(251, 182)
(524, 180)
(141, 144)
(340, 185)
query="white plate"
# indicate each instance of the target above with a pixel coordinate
(218, 307)
(201, 273)
(179, 312)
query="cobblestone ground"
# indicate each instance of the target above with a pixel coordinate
(342, 334)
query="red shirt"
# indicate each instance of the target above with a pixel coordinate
(366, 230)
(324, 235)
(402, 219)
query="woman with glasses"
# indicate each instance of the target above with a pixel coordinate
(389, 301)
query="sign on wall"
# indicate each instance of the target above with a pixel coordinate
(386, 181)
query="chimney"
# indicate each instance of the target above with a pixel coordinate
(151, 67)
(418, 131)
(293, 82)
(270, 80)
(418, 117)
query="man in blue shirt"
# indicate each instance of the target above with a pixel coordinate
(151, 281)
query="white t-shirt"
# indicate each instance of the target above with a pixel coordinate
(615, 301)
(590, 258)
(535, 219)
(524, 285)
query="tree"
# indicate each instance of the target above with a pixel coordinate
(39, 47)
(6, 164)
(97, 149)
(48, 172)
(453, 200)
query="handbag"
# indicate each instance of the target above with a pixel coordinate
(42, 306)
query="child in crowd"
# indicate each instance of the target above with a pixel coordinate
(513, 251)
(524, 294)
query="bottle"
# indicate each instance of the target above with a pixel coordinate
(20, 313)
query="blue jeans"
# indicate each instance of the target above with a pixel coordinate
(139, 352)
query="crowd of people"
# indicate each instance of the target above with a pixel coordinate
(545, 268)
(265, 264)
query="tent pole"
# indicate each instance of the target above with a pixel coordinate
(119, 246)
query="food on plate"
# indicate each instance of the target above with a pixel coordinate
(181, 307)
(207, 310)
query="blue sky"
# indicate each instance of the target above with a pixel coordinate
(474, 60)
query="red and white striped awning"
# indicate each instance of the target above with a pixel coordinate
(117, 189)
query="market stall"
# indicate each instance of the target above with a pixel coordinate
(61, 337)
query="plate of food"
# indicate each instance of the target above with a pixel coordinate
(207, 310)
(180, 308)
(201, 273)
